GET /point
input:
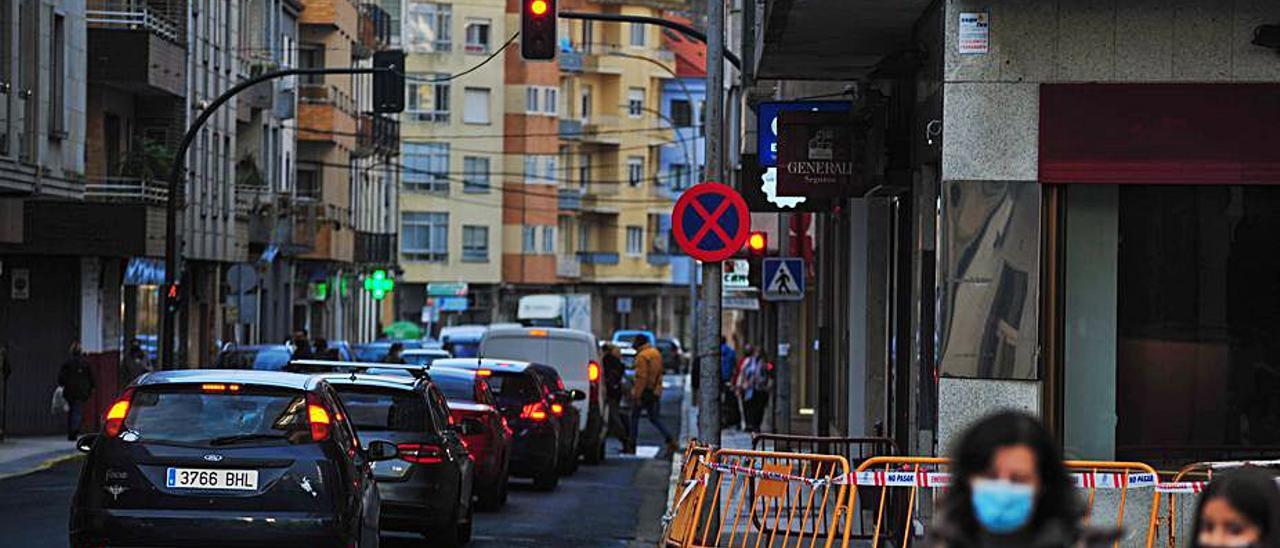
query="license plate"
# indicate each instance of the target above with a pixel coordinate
(198, 478)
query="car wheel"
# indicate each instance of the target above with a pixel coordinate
(548, 478)
(464, 528)
(446, 536)
(569, 462)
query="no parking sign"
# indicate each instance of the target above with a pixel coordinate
(710, 222)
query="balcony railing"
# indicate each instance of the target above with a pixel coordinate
(131, 15)
(598, 257)
(570, 61)
(570, 128)
(375, 28)
(323, 94)
(658, 258)
(570, 199)
(126, 189)
(568, 266)
(377, 134)
(375, 248)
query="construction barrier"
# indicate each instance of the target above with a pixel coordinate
(676, 521)
(919, 474)
(1183, 494)
(758, 498)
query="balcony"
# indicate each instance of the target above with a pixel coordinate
(375, 30)
(339, 14)
(658, 258)
(600, 130)
(127, 190)
(569, 199)
(135, 48)
(325, 114)
(568, 266)
(373, 248)
(570, 128)
(377, 134)
(570, 61)
(598, 257)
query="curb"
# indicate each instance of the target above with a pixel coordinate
(46, 464)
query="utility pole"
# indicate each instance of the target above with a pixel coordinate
(709, 322)
(783, 319)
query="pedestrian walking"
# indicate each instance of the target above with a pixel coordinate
(135, 363)
(1009, 488)
(753, 385)
(394, 354)
(646, 395)
(614, 372)
(76, 379)
(1240, 507)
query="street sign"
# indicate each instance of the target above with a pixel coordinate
(737, 273)
(710, 222)
(447, 289)
(740, 302)
(448, 304)
(815, 156)
(767, 123)
(624, 305)
(783, 279)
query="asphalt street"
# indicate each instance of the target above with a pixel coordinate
(618, 503)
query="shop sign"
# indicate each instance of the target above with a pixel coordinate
(447, 289)
(974, 34)
(736, 274)
(815, 156)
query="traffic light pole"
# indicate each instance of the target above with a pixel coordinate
(709, 322)
(168, 304)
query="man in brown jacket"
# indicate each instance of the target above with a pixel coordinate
(646, 394)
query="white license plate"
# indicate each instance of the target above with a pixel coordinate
(199, 478)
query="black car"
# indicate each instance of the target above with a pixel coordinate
(227, 458)
(563, 410)
(526, 402)
(427, 490)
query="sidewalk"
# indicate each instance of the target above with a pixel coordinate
(22, 455)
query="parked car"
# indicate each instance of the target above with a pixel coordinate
(673, 355)
(575, 356)
(262, 458)
(345, 352)
(428, 489)
(262, 357)
(563, 410)
(463, 341)
(629, 335)
(376, 351)
(525, 402)
(475, 413)
(424, 356)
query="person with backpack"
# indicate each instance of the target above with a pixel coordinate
(76, 380)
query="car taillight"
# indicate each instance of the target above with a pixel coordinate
(593, 371)
(536, 411)
(557, 409)
(116, 414)
(421, 453)
(318, 418)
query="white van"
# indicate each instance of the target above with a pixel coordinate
(575, 355)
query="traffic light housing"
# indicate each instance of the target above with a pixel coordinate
(388, 81)
(538, 29)
(173, 297)
(757, 243)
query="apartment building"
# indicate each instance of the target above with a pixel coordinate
(452, 162)
(682, 160)
(615, 209)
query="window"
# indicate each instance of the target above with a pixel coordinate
(541, 100)
(475, 108)
(679, 178)
(478, 36)
(635, 102)
(635, 240)
(528, 239)
(584, 237)
(681, 113)
(427, 27)
(584, 171)
(702, 117)
(550, 101)
(393, 15)
(475, 177)
(531, 99)
(548, 240)
(426, 166)
(585, 98)
(428, 101)
(550, 169)
(637, 34)
(475, 244)
(57, 79)
(424, 236)
(635, 170)
(541, 169)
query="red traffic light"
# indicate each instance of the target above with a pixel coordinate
(538, 29)
(757, 243)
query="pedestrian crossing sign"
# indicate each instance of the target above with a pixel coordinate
(783, 279)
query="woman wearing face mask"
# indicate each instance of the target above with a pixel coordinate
(1240, 508)
(1009, 488)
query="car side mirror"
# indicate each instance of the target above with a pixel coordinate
(382, 450)
(85, 443)
(577, 395)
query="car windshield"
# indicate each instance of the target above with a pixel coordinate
(376, 352)
(466, 349)
(513, 389)
(376, 408)
(456, 388)
(263, 359)
(188, 415)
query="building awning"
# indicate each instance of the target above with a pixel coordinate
(834, 39)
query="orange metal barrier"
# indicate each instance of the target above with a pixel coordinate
(1191, 480)
(741, 498)
(676, 521)
(916, 473)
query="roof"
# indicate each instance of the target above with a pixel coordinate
(381, 381)
(691, 55)
(235, 348)
(452, 371)
(237, 376)
(554, 332)
(515, 366)
(425, 351)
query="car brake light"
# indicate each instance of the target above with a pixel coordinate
(557, 409)
(537, 332)
(593, 371)
(421, 453)
(117, 413)
(219, 387)
(536, 411)
(318, 418)
(484, 373)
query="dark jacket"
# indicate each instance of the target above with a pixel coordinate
(614, 371)
(76, 379)
(1056, 533)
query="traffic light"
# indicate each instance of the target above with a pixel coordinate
(388, 81)
(538, 29)
(757, 243)
(173, 297)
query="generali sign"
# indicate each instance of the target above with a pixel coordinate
(815, 155)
